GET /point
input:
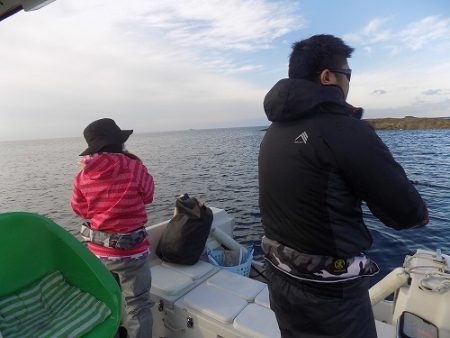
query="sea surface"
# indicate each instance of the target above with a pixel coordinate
(219, 167)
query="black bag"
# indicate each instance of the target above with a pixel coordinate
(185, 237)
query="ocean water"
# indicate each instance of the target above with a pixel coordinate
(219, 167)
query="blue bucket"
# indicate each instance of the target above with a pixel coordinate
(217, 258)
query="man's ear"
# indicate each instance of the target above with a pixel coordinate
(327, 78)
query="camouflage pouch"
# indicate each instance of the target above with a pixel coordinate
(317, 268)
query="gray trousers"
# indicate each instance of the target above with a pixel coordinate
(135, 280)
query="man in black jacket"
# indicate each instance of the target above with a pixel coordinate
(318, 161)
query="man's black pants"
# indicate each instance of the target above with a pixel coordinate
(319, 310)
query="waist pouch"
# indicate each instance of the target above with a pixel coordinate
(316, 268)
(122, 241)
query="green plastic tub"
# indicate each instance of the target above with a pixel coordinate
(33, 246)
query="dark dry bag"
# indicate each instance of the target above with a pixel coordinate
(185, 236)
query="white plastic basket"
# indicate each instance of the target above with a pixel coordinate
(217, 257)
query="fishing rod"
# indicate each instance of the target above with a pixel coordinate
(429, 185)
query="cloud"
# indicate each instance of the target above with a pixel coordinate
(70, 63)
(415, 36)
(240, 25)
(418, 56)
(426, 31)
(210, 31)
(403, 89)
(372, 33)
(212, 34)
(432, 92)
(436, 92)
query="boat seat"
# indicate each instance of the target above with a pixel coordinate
(168, 282)
(263, 298)
(196, 271)
(215, 303)
(257, 321)
(238, 285)
(172, 281)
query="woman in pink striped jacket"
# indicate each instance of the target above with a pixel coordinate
(110, 193)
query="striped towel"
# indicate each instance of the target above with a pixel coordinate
(50, 307)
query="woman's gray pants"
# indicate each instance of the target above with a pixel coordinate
(135, 279)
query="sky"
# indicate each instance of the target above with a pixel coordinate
(172, 65)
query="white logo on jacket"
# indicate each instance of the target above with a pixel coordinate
(302, 138)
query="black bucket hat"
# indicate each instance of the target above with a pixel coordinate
(101, 133)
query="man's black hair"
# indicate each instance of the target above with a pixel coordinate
(310, 56)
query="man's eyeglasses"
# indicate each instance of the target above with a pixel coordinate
(346, 72)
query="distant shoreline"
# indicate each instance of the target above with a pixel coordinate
(409, 122)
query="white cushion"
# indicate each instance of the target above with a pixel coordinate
(263, 298)
(257, 322)
(196, 271)
(215, 303)
(241, 286)
(169, 282)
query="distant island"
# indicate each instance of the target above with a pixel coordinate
(410, 122)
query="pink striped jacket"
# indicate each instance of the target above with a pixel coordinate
(111, 191)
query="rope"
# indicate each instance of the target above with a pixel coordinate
(442, 286)
(434, 281)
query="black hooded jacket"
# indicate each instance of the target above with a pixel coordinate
(318, 161)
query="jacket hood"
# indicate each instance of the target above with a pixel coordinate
(292, 99)
(104, 165)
